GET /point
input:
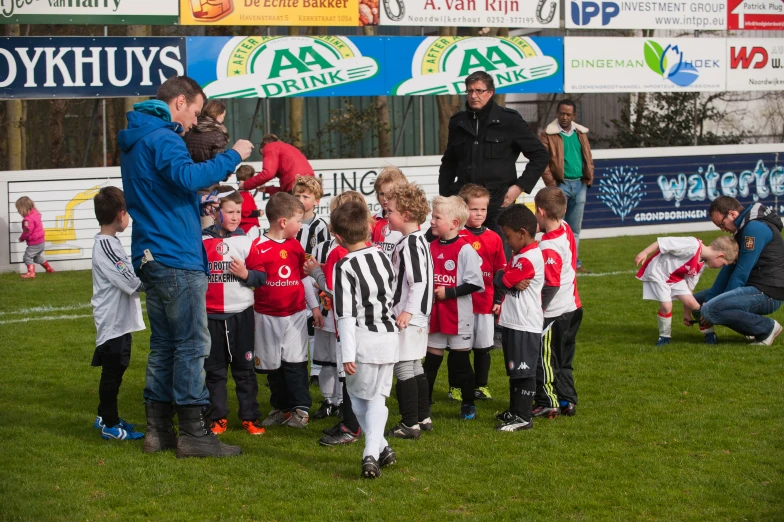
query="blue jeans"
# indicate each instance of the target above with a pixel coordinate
(742, 309)
(575, 191)
(179, 338)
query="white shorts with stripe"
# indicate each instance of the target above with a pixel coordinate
(484, 330)
(454, 342)
(413, 342)
(370, 380)
(663, 292)
(280, 339)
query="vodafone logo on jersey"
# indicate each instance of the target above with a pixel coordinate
(284, 272)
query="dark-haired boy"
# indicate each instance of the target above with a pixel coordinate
(521, 314)
(117, 311)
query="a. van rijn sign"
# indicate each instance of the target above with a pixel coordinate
(86, 67)
(99, 12)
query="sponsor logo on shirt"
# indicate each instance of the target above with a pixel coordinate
(284, 272)
(222, 248)
(444, 279)
(449, 265)
(120, 266)
(477, 245)
(284, 254)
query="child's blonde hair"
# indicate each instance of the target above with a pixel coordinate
(24, 205)
(310, 184)
(412, 199)
(345, 197)
(452, 207)
(727, 246)
(389, 175)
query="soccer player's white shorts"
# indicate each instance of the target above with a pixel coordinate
(413, 342)
(371, 380)
(484, 329)
(280, 339)
(663, 292)
(455, 342)
(325, 347)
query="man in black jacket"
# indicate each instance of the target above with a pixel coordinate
(484, 143)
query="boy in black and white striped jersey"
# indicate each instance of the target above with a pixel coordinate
(369, 337)
(407, 209)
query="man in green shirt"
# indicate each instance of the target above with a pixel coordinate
(571, 165)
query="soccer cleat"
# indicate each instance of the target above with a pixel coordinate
(253, 427)
(504, 416)
(327, 409)
(771, 336)
(455, 394)
(119, 433)
(218, 426)
(30, 272)
(426, 425)
(342, 436)
(482, 394)
(401, 431)
(298, 418)
(387, 457)
(543, 411)
(48, 267)
(124, 424)
(663, 341)
(370, 468)
(333, 430)
(569, 409)
(514, 423)
(710, 338)
(468, 412)
(275, 418)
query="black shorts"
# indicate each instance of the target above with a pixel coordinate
(240, 340)
(521, 352)
(117, 351)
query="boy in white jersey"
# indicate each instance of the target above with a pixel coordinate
(116, 309)
(521, 314)
(555, 392)
(369, 337)
(673, 272)
(407, 209)
(382, 235)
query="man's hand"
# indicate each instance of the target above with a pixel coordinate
(496, 309)
(403, 319)
(350, 368)
(237, 267)
(318, 319)
(440, 293)
(511, 195)
(310, 265)
(243, 148)
(522, 285)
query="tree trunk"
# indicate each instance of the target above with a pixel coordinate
(58, 110)
(447, 104)
(136, 30)
(13, 111)
(296, 107)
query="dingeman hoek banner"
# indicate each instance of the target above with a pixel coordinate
(470, 13)
(279, 12)
(266, 67)
(99, 12)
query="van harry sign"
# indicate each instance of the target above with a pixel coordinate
(83, 67)
(103, 12)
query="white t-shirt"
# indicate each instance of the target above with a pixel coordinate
(678, 259)
(523, 310)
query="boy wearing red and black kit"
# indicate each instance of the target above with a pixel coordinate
(281, 336)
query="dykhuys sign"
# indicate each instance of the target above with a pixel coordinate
(103, 12)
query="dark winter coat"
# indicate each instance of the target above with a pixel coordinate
(207, 139)
(483, 147)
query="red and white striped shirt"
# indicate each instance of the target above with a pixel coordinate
(678, 259)
(560, 269)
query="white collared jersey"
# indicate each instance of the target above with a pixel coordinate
(523, 310)
(312, 234)
(226, 294)
(117, 309)
(414, 273)
(678, 259)
(382, 236)
(560, 269)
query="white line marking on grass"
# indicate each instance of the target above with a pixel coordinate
(604, 274)
(47, 308)
(47, 318)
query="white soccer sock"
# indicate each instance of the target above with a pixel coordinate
(327, 378)
(360, 407)
(376, 418)
(315, 369)
(665, 324)
(337, 391)
(708, 330)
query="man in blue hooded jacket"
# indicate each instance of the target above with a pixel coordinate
(160, 181)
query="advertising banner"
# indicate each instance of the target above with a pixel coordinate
(279, 66)
(467, 13)
(755, 15)
(279, 12)
(99, 12)
(645, 64)
(667, 190)
(755, 64)
(86, 67)
(646, 14)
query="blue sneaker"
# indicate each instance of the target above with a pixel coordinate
(119, 433)
(124, 424)
(710, 338)
(468, 412)
(663, 341)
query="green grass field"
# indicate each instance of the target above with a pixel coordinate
(683, 432)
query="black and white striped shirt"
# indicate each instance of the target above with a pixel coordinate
(413, 267)
(312, 234)
(364, 286)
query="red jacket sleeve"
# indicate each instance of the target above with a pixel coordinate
(26, 229)
(514, 275)
(269, 168)
(553, 264)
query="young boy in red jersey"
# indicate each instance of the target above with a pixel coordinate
(281, 337)
(490, 248)
(382, 236)
(230, 315)
(457, 273)
(250, 212)
(521, 314)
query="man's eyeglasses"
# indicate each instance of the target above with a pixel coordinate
(476, 91)
(721, 224)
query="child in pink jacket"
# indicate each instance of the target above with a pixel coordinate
(33, 233)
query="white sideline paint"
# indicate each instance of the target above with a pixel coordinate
(47, 308)
(605, 274)
(46, 318)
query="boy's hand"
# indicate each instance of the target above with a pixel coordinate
(318, 319)
(243, 148)
(350, 368)
(522, 285)
(403, 319)
(640, 258)
(496, 309)
(237, 267)
(309, 266)
(440, 293)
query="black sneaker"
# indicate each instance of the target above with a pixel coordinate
(544, 411)
(370, 468)
(401, 431)
(387, 457)
(426, 425)
(334, 430)
(344, 436)
(569, 410)
(327, 409)
(514, 423)
(504, 416)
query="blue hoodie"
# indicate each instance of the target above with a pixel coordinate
(160, 181)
